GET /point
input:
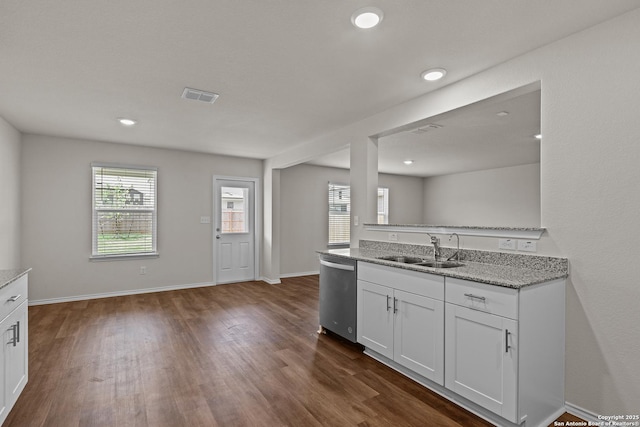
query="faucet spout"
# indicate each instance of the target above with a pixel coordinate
(457, 254)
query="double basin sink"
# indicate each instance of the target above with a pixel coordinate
(419, 261)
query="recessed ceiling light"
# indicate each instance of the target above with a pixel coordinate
(433, 74)
(502, 113)
(126, 122)
(408, 162)
(538, 136)
(367, 17)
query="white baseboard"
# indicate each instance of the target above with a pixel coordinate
(306, 273)
(582, 413)
(270, 281)
(286, 276)
(118, 293)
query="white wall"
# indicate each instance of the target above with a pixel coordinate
(589, 190)
(9, 196)
(303, 211)
(56, 205)
(507, 197)
(406, 198)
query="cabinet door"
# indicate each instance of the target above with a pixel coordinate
(16, 353)
(481, 358)
(375, 317)
(419, 335)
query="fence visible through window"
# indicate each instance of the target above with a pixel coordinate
(234, 215)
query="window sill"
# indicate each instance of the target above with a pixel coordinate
(99, 258)
(338, 245)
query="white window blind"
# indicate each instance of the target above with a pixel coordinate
(340, 212)
(124, 211)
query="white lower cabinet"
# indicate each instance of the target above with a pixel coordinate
(496, 351)
(375, 317)
(399, 319)
(418, 335)
(481, 356)
(14, 353)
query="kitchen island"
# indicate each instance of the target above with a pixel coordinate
(487, 335)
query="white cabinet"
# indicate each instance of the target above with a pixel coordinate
(481, 356)
(375, 317)
(504, 348)
(419, 334)
(14, 353)
(400, 318)
(494, 350)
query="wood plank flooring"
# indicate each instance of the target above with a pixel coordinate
(244, 354)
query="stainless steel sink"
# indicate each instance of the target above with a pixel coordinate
(419, 261)
(401, 258)
(440, 264)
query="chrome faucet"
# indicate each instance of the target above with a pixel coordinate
(457, 254)
(436, 246)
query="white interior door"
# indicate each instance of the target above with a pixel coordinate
(234, 230)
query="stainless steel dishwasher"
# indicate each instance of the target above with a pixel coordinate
(338, 293)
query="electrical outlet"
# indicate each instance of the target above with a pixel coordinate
(508, 244)
(143, 269)
(526, 245)
(393, 237)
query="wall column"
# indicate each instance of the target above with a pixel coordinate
(364, 185)
(270, 270)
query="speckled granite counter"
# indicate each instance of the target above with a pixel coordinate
(8, 276)
(495, 268)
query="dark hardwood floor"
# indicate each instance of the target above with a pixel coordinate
(245, 354)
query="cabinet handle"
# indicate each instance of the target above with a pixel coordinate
(388, 306)
(395, 305)
(475, 296)
(17, 331)
(14, 298)
(506, 341)
(13, 340)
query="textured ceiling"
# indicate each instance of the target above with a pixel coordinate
(286, 70)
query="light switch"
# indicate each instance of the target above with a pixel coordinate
(205, 220)
(355, 220)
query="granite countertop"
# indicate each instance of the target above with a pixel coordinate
(493, 274)
(8, 276)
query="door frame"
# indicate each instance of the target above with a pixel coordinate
(257, 203)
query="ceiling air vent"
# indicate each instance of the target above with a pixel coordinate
(199, 95)
(424, 129)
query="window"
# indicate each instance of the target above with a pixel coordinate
(340, 212)
(383, 206)
(124, 211)
(235, 218)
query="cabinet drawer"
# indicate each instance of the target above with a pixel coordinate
(12, 295)
(415, 282)
(480, 296)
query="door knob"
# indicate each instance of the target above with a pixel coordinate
(217, 236)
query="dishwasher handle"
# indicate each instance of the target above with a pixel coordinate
(347, 267)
